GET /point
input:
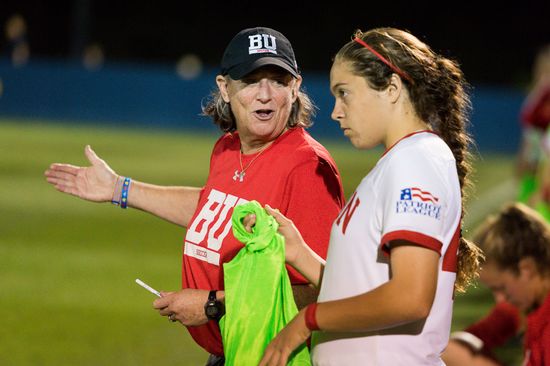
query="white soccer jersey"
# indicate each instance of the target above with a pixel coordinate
(412, 193)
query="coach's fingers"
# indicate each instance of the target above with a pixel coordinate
(249, 221)
(58, 182)
(161, 303)
(65, 168)
(59, 175)
(91, 155)
(165, 311)
(63, 182)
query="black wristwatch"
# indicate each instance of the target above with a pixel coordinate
(214, 308)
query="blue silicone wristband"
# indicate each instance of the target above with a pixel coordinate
(124, 195)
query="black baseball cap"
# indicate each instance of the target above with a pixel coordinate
(255, 47)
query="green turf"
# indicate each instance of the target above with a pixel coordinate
(67, 267)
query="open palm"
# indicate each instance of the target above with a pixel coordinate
(93, 183)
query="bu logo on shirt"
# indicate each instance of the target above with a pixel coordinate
(210, 227)
(262, 43)
(417, 201)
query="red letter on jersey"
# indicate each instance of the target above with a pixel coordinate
(347, 212)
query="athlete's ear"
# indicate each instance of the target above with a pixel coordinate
(394, 88)
(223, 86)
(528, 268)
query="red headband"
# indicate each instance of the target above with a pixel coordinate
(401, 73)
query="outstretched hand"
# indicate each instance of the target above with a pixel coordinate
(93, 183)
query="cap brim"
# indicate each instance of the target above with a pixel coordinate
(242, 70)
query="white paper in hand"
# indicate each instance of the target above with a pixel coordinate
(147, 287)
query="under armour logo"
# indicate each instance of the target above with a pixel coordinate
(238, 176)
(261, 43)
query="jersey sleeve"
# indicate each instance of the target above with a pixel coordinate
(414, 200)
(313, 198)
(500, 325)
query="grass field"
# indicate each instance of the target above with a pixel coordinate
(67, 267)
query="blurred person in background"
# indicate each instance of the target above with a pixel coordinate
(396, 253)
(500, 331)
(504, 325)
(15, 31)
(516, 243)
(93, 57)
(534, 152)
(265, 154)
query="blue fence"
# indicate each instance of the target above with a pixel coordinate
(153, 95)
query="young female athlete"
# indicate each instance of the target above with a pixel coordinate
(396, 253)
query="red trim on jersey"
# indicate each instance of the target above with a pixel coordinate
(409, 135)
(410, 236)
(450, 258)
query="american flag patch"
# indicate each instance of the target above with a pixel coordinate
(409, 194)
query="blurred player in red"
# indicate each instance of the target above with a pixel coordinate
(516, 243)
(502, 326)
(534, 152)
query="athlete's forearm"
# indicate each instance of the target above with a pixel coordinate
(174, 204)
(309, 264)
(406, 298)
(386, 306)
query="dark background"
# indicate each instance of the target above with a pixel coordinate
(494, 43)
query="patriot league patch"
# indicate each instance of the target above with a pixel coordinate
(418, 202)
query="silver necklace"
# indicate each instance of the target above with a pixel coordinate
(239, 175)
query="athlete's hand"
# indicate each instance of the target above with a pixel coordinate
(187, 305)
(289, 338)
(93, 183)
(294, 243)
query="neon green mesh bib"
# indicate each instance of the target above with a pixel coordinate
(258, 295)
